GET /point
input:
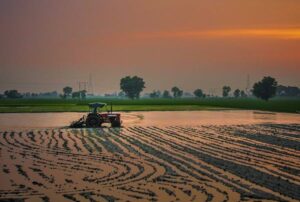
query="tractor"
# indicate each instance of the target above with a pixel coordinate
(95, 118)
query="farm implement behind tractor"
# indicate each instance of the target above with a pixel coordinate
(95, 119)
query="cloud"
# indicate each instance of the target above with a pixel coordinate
(291, 33)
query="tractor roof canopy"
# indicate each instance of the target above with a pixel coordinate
(96, 105)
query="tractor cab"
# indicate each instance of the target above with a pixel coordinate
(95, 118)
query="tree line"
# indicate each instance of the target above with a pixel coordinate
(16, 94)
(264, 89)
(132, 87)
(68, 92)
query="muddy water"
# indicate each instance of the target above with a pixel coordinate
(223, 117)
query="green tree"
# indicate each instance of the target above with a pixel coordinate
(76, 94)
(121, 94)
(12, 94)
(82, 94)
(67, 91)
(226, 90)
(166, 94)
(176, 92)
(265, 89)
(132, 86)
(79, 94)
(237, 93)
(243, 94)
(199, 93)
(290, 91)
(155, 94)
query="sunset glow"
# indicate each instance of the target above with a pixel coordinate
(235, 33)
(193, 43)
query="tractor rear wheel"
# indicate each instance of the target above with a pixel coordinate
(93, 121)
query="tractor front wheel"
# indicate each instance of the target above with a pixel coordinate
(115, 123)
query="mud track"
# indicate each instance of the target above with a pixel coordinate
(201, 163)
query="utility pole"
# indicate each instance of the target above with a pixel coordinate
(212, 92)
(248, 85)
(91, 87)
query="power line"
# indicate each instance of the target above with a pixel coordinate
(82, 85)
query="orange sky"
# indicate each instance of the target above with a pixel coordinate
(46, 45)
(287, 33)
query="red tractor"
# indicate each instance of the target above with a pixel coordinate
(95, 119)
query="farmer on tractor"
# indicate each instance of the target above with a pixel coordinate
(95, 119)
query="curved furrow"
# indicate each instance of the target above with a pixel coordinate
(181, 164)
(221, 163)
(173, 163)
(251, 158)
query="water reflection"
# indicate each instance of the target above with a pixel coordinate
(264, 116)
(50, 120)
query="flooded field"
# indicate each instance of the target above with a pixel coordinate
(155, 156)
(183, 118)
(201, 163)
